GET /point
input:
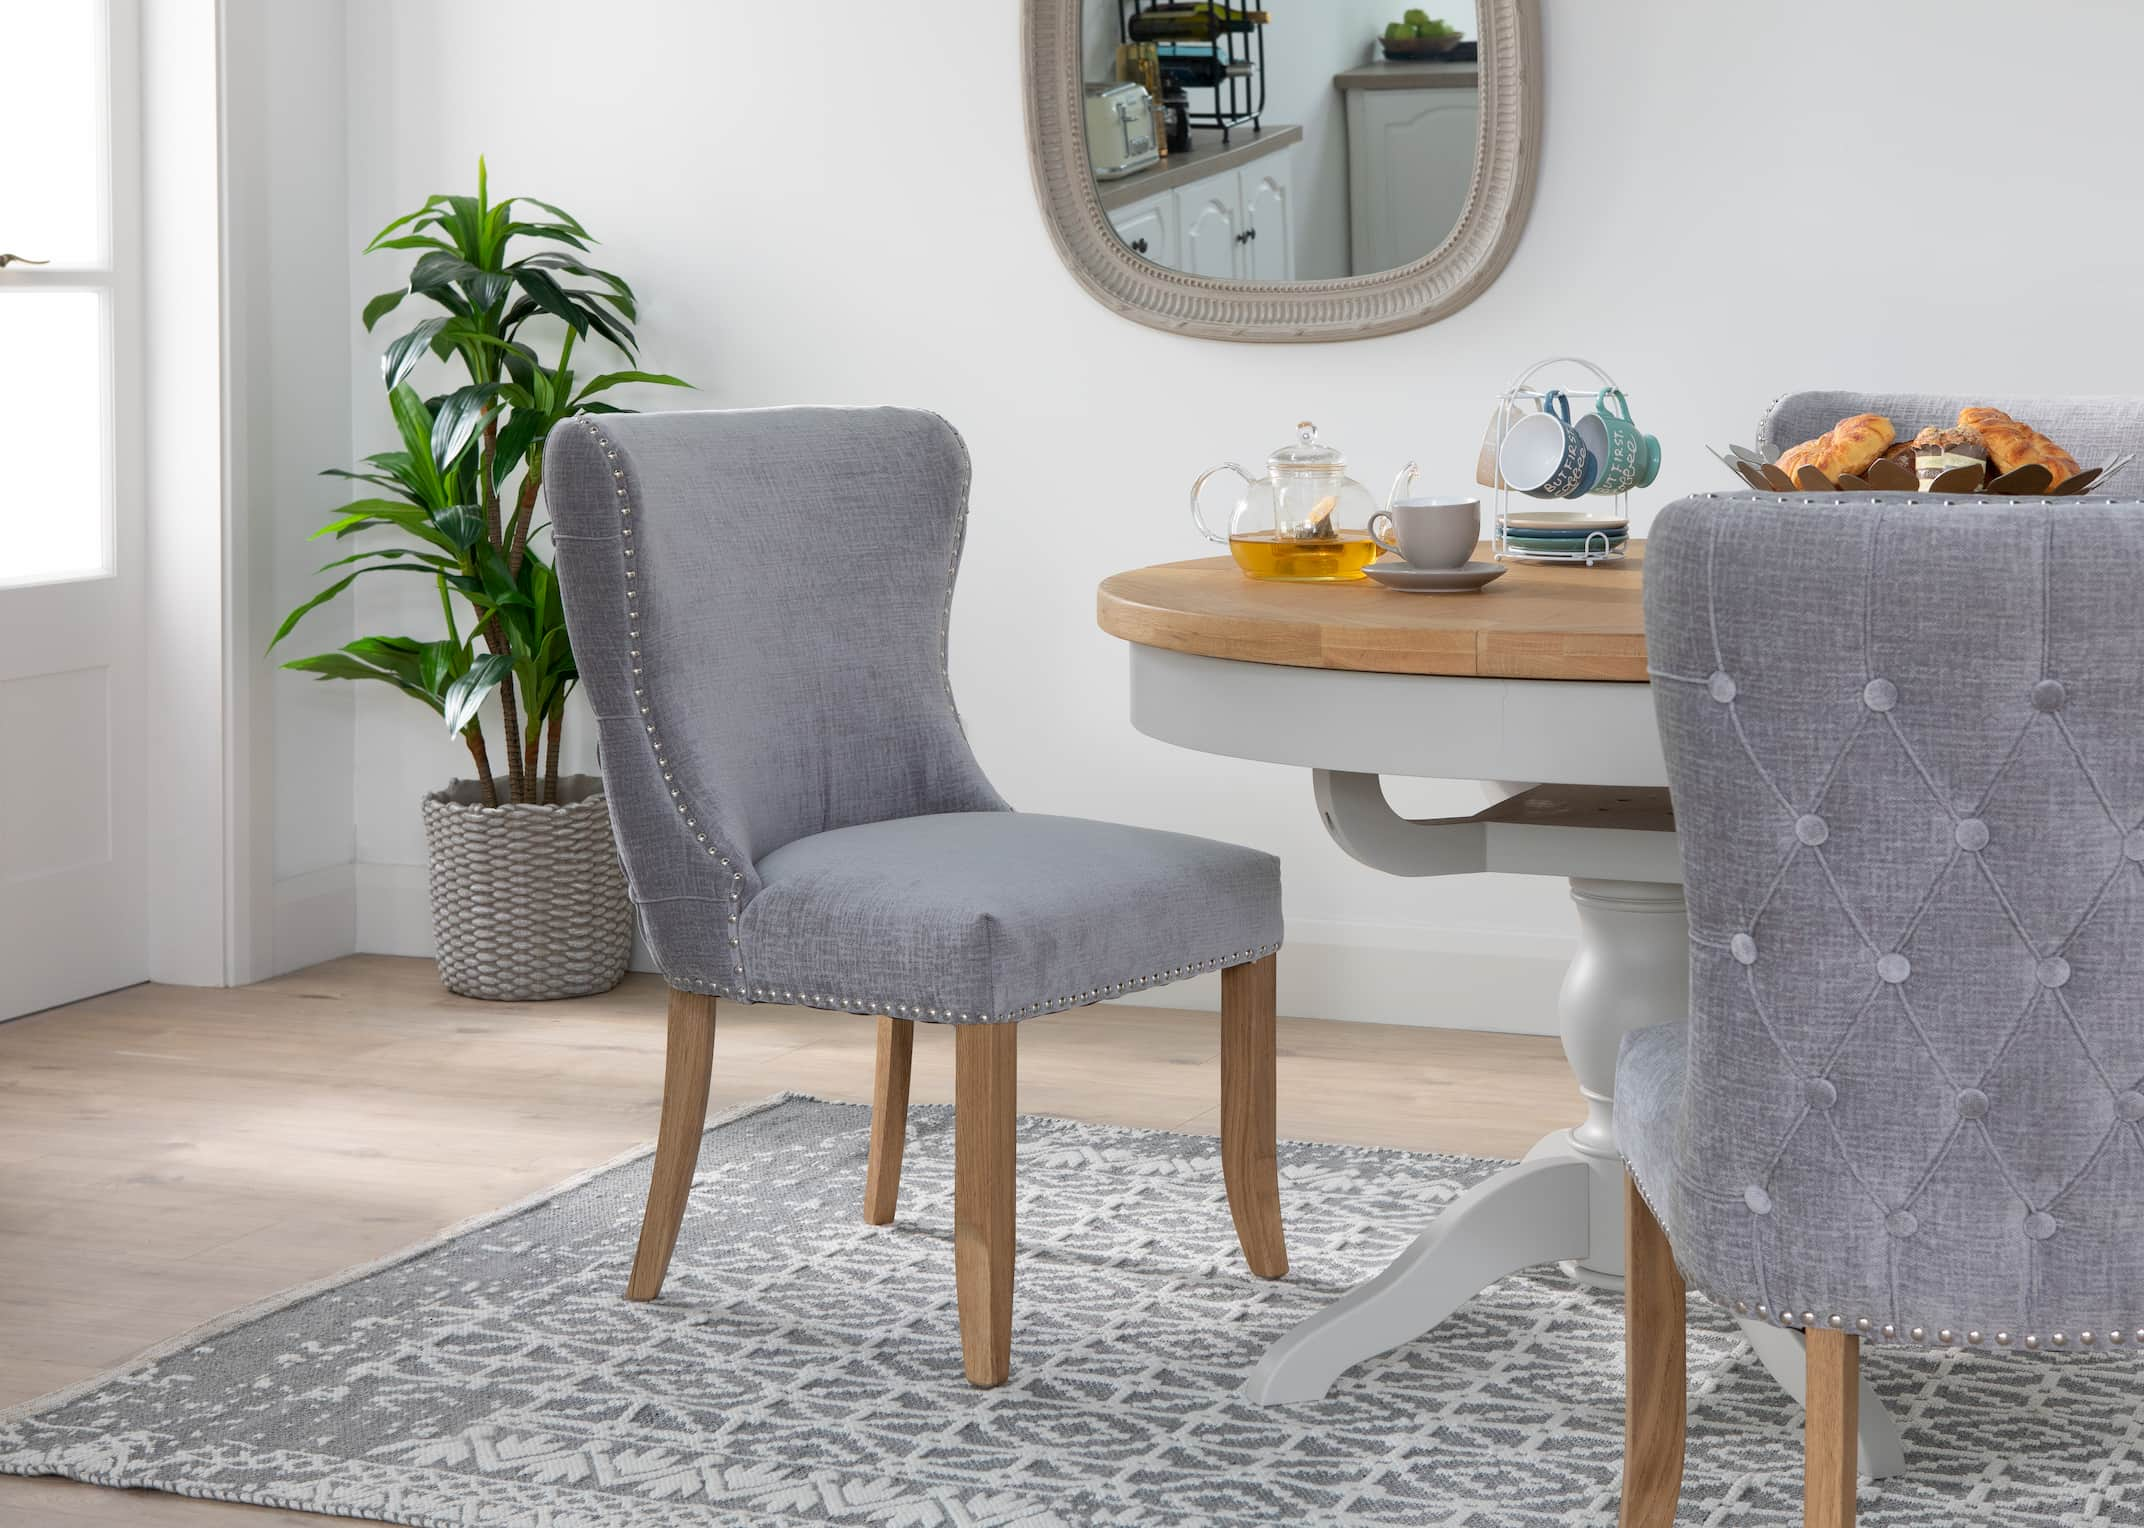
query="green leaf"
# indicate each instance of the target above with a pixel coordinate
(461, 524)
(440, 269)
(360, 512)
(340, 584)
(465, 696)
(515, 437)
(549, 296)
(611, 379)
(459, 415)
(414, 420)
(339, 666)
(405, 352)
(403, 221)
(309, 606)
(560, 213)
(409, 241)
(431, 560)
(383, 305)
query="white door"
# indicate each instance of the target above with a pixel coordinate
(1210, 228)
(1148, 228)
(72, 915)
(1270, 250)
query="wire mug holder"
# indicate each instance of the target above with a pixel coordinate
(1522, 394)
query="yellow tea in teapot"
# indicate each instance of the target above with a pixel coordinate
(1332, 559)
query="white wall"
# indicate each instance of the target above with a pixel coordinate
(830, 203)
(287, 256)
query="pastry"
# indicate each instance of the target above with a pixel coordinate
(2012, 445)
(1937, 451)
(1847, 447)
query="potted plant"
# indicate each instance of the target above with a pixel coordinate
(528, 900)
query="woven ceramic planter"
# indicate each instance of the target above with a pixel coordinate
(528, 902)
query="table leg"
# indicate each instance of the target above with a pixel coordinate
(1563, 1203)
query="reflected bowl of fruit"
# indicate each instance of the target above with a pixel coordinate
(1418, 35)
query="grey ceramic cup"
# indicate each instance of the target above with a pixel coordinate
(1429, 533)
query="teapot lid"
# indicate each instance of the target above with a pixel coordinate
(1306, 453)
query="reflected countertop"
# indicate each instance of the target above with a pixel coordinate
(1208, 156)
(1409, 75)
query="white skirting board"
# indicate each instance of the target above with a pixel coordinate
(315, 917)
(1434, 978)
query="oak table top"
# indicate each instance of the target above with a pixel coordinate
(1539, 621)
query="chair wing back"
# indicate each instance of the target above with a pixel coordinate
(2090, 429)
(1906, 747)
(758, 601)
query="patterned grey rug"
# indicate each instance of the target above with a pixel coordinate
(803, 1367)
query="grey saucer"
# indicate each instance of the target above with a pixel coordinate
(1409, 579)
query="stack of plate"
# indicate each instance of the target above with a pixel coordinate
(1565, 532)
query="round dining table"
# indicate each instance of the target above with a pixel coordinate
(1535, 685)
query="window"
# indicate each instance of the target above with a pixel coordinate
(56, 318)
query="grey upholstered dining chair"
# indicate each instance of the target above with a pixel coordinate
(1905, 741)
(759, 604)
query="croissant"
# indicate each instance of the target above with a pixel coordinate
(2012, 445)
(1847, 447)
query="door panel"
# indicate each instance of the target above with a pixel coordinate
(72, 917)
(1210, 224)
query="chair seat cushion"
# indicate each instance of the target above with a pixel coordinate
(985, 917)
(1648, 1110)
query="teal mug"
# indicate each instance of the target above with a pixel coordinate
(1629, 457)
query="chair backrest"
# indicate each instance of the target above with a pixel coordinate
(758, 601)
(2090, 429)
(1906, 747)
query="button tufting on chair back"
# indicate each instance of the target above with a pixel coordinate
(1906, 747)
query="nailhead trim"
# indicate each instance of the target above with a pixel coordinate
(2083, 1340)
(946, 1013)
(738, 991)
(648, 726)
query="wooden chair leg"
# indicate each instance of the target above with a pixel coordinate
(889, 1119)
(1250, 1155)
(1831, 1431)
(686, 1069)
(1656, 1377)
(985, 1121)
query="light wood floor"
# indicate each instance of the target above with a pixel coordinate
(170, 1153)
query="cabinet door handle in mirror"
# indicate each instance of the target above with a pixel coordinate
(1246, 236)
(1138, 246)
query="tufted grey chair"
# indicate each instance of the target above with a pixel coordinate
(1905, 742)
(759, 604)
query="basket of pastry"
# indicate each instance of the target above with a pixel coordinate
(1985, 451)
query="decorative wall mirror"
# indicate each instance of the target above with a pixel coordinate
(1283, 170)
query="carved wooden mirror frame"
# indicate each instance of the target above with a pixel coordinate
(1344, 308)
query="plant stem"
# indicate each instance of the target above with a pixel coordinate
(528, 755)
(510, 723)
(473, 735)
(550, 764)
(487, 491)
(524, 514)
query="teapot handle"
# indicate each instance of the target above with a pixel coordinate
(1198, 519)
(1406, 477)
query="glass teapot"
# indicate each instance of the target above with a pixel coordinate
(1293, 524)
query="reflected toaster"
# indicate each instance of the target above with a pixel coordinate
(1120, 129)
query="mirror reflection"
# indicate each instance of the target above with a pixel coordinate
(1299, 140)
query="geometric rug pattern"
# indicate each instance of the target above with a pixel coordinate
(804, 1368)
